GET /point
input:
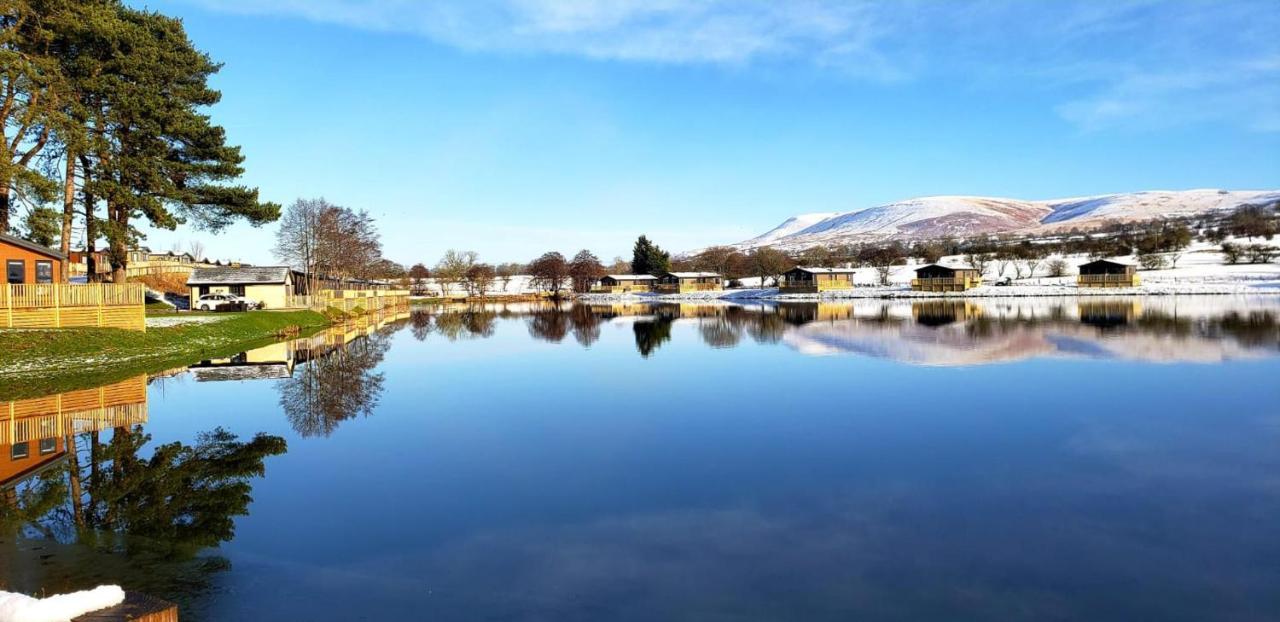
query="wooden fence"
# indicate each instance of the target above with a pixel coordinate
(349, 300)
(62, 305)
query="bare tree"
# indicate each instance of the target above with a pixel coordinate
(584, 270)
(769, 263)
(196, 249)
(979, 262)
(550, 271)
(328, 241)
(453, 267)
(479, 278)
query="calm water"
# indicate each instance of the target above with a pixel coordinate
(997, 460)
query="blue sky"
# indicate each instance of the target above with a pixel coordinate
(512, 127)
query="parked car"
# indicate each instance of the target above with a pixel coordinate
(213, 302)
(1005, 282)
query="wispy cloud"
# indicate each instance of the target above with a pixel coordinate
(1110, 63)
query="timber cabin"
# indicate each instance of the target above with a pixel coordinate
(802, 280)
(1105, 273)
(685, 282)
(936, 278)
(27, 262)
(625, 283)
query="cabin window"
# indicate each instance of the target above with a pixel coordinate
(237, 290)
(48, 445)
(16, 269)
(44, 271)
(19, 451)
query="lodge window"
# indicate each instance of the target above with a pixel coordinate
(48, 445)
(19, 451)
(44, 271)
(17, 271)
(237, 290)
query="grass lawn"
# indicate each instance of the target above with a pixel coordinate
(38, 362)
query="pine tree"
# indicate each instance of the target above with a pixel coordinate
(648, 258)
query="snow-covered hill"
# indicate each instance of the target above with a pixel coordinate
(931, 217)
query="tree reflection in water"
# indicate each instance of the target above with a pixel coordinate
(338, 385)
(725, 325)
(140, 522)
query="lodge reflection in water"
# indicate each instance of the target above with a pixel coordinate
(922, 331)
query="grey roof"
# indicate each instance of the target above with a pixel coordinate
(246, 275)
(631, 277)
(825, 270)
(31, 246)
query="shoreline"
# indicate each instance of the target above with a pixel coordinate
(1272, 288)
(41, 361)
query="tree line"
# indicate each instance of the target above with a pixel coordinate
(102, 107)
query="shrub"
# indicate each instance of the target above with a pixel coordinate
(1232, 253)
(1261, 253)
(1150, 261)
(1058, 267)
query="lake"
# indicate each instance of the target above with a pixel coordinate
(1001, 459)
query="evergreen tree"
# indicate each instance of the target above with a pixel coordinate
(648, 258)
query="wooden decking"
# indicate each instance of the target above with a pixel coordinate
(137, 607)
(1108, 280)
(945, 284)
(64, 305)
(685, 288)
(813, 287)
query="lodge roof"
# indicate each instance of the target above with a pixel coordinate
(692, 275)
(934, 266)
(31, 246)
(824, 270)
(246, 275)
(1106, 262)
(631, 277)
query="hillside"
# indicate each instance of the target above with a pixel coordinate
(958, 216)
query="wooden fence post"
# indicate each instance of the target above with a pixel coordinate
(57, 306)
(8, 305)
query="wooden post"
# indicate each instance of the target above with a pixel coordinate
(8, 304)
(98, 293)
(57, 306)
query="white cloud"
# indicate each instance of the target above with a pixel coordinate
(1118, 62)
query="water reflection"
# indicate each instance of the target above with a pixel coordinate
(88, 498)
(932, 332)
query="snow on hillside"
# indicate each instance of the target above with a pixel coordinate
(1155, 204)
(940, 216)
(791, 226)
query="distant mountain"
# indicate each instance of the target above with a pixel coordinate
(960, 216)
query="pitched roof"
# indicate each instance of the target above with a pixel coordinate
(825, 270)
(947, 268)
(692, 275)
(1098, 262)
(31, 246)
(631, 277)
(246, 275)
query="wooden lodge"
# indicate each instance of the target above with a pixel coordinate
(26, 262)
(687, 282)
(35, 293)
(1106, 273)
(936, 278)
(625, 283)
(803, 280)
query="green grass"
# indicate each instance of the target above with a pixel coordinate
(38, 362)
